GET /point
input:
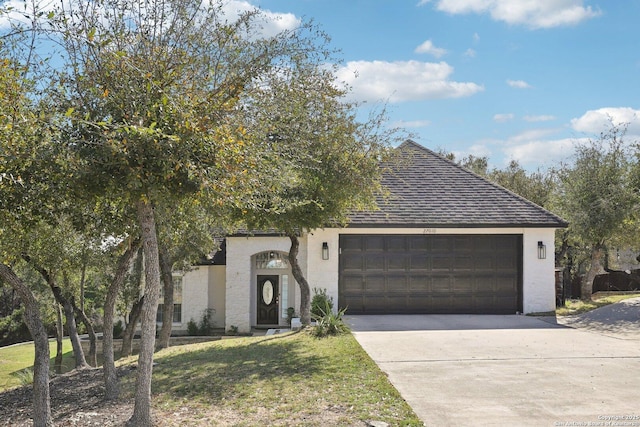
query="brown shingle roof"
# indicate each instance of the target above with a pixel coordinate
(427, 190)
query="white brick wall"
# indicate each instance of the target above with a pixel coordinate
(235, 300)
(539, 289)
(240, 306)
(195, 295)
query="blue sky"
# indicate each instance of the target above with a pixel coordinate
(507, 79)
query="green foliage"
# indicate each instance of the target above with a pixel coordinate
(594, 195)
(291, 313)
(118, 329)
(320, 302)
(192, 327)
(25, 376)
(233, 330)
(329, 323)
(206, 324)
(13, 329)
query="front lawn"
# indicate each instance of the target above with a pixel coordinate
(573, 307)
(16, 358)
(287, 380)
(291, 379)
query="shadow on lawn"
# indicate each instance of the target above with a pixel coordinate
(220, 372)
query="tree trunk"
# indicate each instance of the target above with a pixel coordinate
(130, 329)
(67, 307)
(108, 365)
(305, 290)
(72, 330)
(142, 406)
(597, 267)
(167, 308)
(41, 399)
(59, 337)
(93, 357)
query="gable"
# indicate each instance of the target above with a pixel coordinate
(428, 190)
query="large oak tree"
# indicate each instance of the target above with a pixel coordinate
(156, 96)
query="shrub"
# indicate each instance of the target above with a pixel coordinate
(206, 325)
(25, 376)
(320, 302)
(329, 323)
(118, 329)
(192, 327)
(291, 313)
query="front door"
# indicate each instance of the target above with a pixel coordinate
(267, 300)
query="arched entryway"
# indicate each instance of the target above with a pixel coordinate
(273, 290)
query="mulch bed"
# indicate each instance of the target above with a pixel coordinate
(76, 400)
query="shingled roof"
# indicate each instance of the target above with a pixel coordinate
(428, 190)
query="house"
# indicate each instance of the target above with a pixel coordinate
(444, 240)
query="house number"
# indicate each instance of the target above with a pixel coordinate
(429, 231)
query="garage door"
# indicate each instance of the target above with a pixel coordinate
(430, 274)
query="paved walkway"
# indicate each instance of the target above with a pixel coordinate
(465, 370)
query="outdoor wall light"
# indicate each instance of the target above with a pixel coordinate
(325, 250)
(542, 250)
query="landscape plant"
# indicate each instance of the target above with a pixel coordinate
(320, 302)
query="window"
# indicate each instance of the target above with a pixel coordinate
(271, 259)
(177, 301)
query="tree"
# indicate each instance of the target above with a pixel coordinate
(536, 187)
(595, 198)
(154, 94)
(323, 162)
(24, 137)
(119, 276)
(186, 234)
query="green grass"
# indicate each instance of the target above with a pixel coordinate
(16, 358)
(288, 379)
(292, 379)
(573, 307)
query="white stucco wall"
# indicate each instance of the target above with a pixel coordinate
(195, 296)
(217, 290)
(241, 276)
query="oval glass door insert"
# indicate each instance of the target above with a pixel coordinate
(267, 292)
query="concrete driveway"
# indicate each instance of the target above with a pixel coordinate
(464, 370)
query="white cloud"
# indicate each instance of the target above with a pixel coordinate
(530, 135)
(503, 118)
(534, 14)
(541, 152)
(429, 47)
(403, 81)
(476, 150)
(540, 118)
(271, 24)
(596, 121)
(412, 123)
(518, 84)
(470, 53)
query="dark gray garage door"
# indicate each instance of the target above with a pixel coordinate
(430, 274)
